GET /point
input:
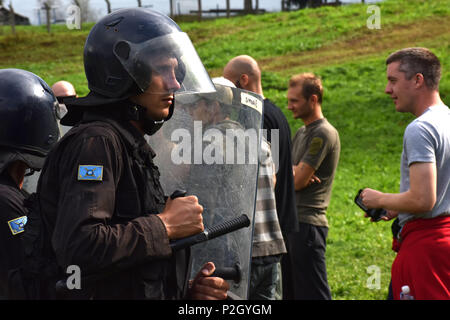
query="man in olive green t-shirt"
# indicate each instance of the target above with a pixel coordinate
(315, 153)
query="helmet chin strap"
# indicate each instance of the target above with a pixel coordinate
(150, 126)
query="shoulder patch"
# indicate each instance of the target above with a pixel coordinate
(16, 225)
(316, 145)
(90, 173)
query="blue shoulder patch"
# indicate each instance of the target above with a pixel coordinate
(90, 173)
(16, 225)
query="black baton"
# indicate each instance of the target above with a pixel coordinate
(212, 232)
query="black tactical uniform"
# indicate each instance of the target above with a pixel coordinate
(106, 222)
(99, 192)
(28, 130)
(12, 218)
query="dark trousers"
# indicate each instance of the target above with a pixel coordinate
(263, 281)
(307, 255)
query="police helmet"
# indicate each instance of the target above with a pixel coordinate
(120, 55)
(28, 118)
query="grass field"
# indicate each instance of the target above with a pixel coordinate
(336, 44)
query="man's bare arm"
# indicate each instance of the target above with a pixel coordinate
(420, 198)
(304, 176)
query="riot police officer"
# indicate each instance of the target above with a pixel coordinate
(28, 129)
(99, 194)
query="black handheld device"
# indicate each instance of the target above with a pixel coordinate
(375, 213)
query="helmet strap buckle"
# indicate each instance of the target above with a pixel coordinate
(134, 113)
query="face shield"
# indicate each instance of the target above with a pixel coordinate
(171, 59)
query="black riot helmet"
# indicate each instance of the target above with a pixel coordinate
(28, 118)
(121, 54)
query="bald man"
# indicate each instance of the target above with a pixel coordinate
(245, 73)
(63, 89)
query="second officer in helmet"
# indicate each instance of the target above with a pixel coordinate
(99, 193)
(28, 130)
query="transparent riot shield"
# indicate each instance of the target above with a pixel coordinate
(210, 148)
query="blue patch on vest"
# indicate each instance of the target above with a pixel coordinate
(16, 225)
(90, 173)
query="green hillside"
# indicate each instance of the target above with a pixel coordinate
(336, 44)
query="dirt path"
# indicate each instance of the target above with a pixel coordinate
(427, 33)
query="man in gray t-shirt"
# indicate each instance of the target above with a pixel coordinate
(423, 205)
(427, 140)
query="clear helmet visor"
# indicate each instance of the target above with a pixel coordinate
(164, 64)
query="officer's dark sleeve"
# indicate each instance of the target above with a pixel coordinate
(11, 207)
(84, 234)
